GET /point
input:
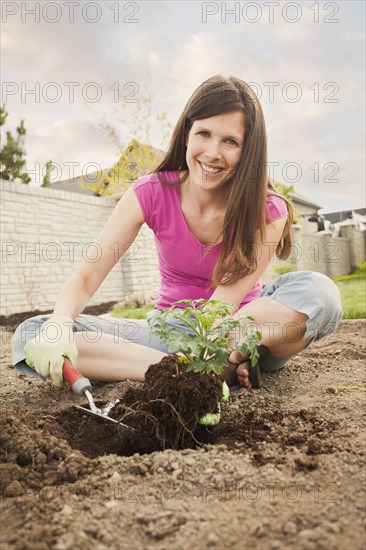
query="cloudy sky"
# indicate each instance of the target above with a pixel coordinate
(74, 69)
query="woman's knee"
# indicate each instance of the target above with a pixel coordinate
(29, 329)
(329, 292)
(313, 294)
(330, 312)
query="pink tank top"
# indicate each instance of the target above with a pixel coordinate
(185, 267)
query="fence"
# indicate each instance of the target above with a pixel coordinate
(46, 233)
(323, 252)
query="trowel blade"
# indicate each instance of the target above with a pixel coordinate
(105, 417)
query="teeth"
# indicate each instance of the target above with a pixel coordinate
(210, 169)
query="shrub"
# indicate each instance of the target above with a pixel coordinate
(282, 269)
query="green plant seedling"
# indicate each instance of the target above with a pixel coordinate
(206, 349)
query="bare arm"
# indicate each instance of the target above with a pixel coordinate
(235, 292)
(118, 234)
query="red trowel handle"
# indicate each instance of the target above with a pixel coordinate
(76, 380)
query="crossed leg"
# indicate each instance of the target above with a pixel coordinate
(109, 359)
(282, 330)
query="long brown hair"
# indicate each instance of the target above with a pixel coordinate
(248, 186)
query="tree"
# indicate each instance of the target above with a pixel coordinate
(47, 177)
(12, 154)
(285, 191)
(137, 156)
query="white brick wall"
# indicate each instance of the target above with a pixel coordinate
(44, 234)
(323, 253)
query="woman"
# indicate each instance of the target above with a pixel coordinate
(217, 223)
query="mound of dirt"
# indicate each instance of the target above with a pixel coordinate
(31, 458)
(283, 470)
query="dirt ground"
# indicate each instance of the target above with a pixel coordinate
(284, 469)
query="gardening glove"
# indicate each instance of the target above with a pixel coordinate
(211, 419)
(46, 352)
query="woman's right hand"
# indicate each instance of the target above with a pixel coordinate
(45, 353)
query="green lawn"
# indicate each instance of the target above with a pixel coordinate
(131, 312)
(353, 295)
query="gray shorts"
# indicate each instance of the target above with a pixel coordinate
(307, 292)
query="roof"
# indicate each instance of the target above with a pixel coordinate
(296, 197)
(74, 185)
(335, 217)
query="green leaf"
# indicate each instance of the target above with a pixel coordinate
(206, 350)
(198, 366)
(225, 393)
(190, 368)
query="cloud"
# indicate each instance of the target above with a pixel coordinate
(169, 52)
(90, 149)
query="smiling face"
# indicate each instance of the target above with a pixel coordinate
(214, 146)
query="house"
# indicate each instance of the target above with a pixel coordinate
(339, 221)
(335, 217)
(307, 214)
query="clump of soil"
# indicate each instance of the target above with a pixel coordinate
(171, 402)
(31, 458)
